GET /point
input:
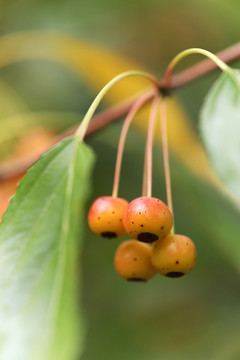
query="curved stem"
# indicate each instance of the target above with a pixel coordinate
(183, 54)
(163, 118)
(149, 144)
(134, 109)
(204, 66)
(81, 131)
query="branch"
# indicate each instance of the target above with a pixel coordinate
(113, 113)
(20, 165)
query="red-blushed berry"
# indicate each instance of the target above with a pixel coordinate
(147, 219)
(174, 255)
(105, 217)
(133, 261)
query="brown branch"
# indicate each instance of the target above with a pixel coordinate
(19, 166)
(113, 113)
(105, 117)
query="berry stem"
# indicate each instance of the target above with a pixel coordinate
(208, 54)
(149, 145)
(134, 109)
(81, 131)
(144, 185)
(163, 116)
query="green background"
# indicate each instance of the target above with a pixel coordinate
(195, 317)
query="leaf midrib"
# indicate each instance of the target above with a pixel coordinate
(55, 297)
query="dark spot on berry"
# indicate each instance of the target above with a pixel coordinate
(139, 212)
(187, 243)
(120, 219)
(158, 200)
(174, 274)
(147, 237)
(113, 212)
(141, 225)
(164, 213)
(161, 227)
(136, 279)
(108, 234)
(99, 218)
(145, 212)
(177, 262)
(132, 222)
(108, 222)
(135, 259)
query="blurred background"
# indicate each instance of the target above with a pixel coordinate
(54, 57)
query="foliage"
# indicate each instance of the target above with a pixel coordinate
(39, 242)
(220, 126)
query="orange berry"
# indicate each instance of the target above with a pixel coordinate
(133, 261)
(174, 255)
(105, 217)
(147, 219)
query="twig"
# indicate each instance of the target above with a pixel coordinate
(113, 113)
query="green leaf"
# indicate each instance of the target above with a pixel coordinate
(220, 128)
(39, 256)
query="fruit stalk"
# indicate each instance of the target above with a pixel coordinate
(149, 144)
(82, 129)
(217, 61)
(134, 109)
(163, 116)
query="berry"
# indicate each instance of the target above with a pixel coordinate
(147, 219)
(105, 217)
(133, 261)
(174, 255)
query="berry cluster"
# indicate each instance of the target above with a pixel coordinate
(146, 220)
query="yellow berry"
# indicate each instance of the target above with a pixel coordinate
(147, 219)
(133, 261)
(105, 217)
(174, 255)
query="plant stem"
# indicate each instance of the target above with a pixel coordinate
(144, 184)
(205, 66)
(134, 109)
(149, 145)
(81, 131)
(183, 54)
(163, 118)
